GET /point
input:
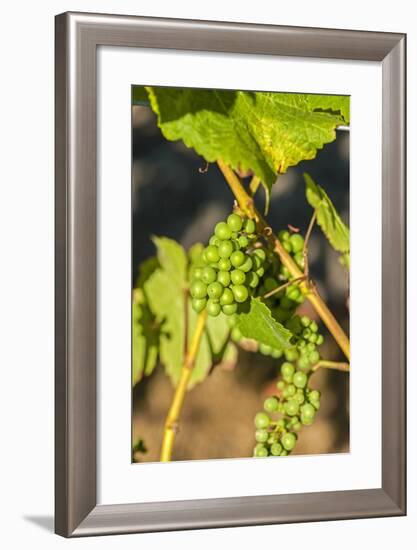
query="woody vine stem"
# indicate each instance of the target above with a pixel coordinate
(246, 204)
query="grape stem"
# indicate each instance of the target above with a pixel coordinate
(172, 420)
(247, 206)
(331, 365)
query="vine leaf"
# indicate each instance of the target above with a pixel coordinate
(259, 132)
(328, 219)
(166, 292)
(145, 337)
(258, 324)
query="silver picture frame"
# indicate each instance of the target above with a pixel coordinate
(77, 37)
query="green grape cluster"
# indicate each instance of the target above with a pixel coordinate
(284, 414)
(231, 267)
(293, 243)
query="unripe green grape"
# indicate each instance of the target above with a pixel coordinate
(209, 275)
(198, 272)
(229, 309)
(297, 243)
(313, 326)
(303, 363)
(287, 246)
(262, 420)
(281, 385)
(297, 426)
(252, 279)
(223, 231)
(238, 277)
(293, 421)
(305, 321)
(291, 407)
(224, 264)
(225, 249)
(235, 222)
(212, 254)
(319, 340)
(237, 258)
(260, 272)
(198, 289)
(215, 290)
(223, 277)
(291, 389)
(273, 438)
(213, 308)
(314, 357)
(261, 436)
(283, 235)
(260, 451)
(301, 345)
(284, 453)
(308, 412)
(299, 397)
(288, 441)
(310, 347)
(236, 335)
(243, 241)
(300, 380)
(282, 423)
(227, 298)
(284, 272)
(313, 338)
(306, 333)
(257, 263)
(234, 235)
(260, 253)
(276, 449)
(271, 404)
(265, 349)
(214, 240)
(314, 397)
(287, 371)
(198, 304)
(293, 293)
(247, 265)
(240, 293)
(300, 259)
(291, 354)
(249, 226)
(276, 353)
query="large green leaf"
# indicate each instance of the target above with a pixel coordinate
(258, 324)
(262, 132)
(328, 219)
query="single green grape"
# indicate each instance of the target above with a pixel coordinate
(276, 353)
(260, 272)
(314, 357)
(212, 254)
(299, 397)
(308, 412)
(305, 321)
(291, 354)
(297, 243)
(306, 333)
(284, 272)
(237, 258)
(276, 449)
(313, 326)
(198, 304)
(215, 290)
(198, 289)
(209, 275)
(271, 404)
(265, 349)
(300, 379)
(293, 293)
(287, 371)
(238, 277)
(303, 363)
(270, 284)
(252, 279)
(292, 407)
(235, 222)
(319, 340)
(223, 277)
(214, 240)
(261, 436)
(283, 235)
(299, 259)
(224, 264)
(260, 451)
(310, 346)
(260, 253)
(198, 272)
(287, 246)
(297, 426)
(249, 226)
(288, 441)
(223, 231)
(281, 385)
(243, 241)
(229, 309)
(213, 308)
(240, 293)
(225, 249)
(227, 298)
(262, 420)
(247, 265)
(236, 335)
(313, 338)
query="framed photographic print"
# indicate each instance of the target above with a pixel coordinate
(230, 274)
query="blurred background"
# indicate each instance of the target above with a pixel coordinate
(173, 198)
